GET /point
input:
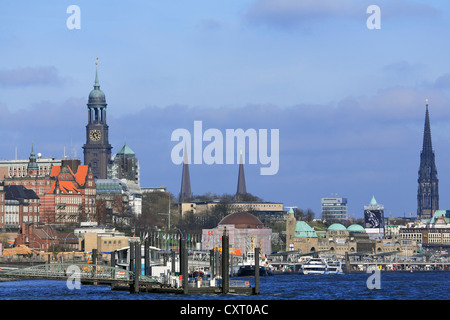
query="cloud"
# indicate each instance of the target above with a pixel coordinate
(37, 76)
(210, 24)
(443, 82)
(292, 13)
(355, 147)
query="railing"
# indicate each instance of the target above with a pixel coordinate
(83, 271)
(218, 283)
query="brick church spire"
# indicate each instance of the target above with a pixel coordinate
(241, 187)
(185, 193)
(428, 188)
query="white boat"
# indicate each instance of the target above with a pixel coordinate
(334, 266)
(321, 266)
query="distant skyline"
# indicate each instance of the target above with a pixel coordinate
(349, 102)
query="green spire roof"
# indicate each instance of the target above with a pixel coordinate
(126, 150)
(97, 96)
(32, 165)
(373, 201)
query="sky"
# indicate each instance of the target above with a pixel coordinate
(348, 101)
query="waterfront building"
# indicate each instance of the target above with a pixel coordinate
(45, 238)
(35, 180)
(245, 232)
(440, 219)
(374, 219)
(428, 183)
(334, 209)
(103, 239)
(72, 192)
(18, 205)
(300, 235)
(431, 234)
(97, 150)
(338, 239)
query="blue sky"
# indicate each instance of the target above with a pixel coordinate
(349, 102)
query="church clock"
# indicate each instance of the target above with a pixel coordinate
(97, 150)
(95, 134)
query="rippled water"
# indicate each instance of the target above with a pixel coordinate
(393, 286)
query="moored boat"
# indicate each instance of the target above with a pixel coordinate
(321, 266)
(249, 271)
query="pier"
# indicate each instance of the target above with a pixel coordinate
(137, 279)
(292, 261)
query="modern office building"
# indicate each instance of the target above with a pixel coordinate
(334, 209)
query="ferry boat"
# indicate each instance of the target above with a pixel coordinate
(321, 266)
(334, 266)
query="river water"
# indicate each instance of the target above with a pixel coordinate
(280, 296)
(421, 285)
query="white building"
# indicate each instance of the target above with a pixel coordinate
(334, 209)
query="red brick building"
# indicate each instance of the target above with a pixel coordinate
(72, 193)
(67, 194)
(44, 238)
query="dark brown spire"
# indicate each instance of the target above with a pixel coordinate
(241, 187)
(428, 190)
(186, 192)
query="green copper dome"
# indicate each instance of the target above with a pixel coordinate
(97, 96)
(356, 228)
(337, 226)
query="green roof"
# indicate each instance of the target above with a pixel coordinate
(304, 230)
(356, 228)
(373, 201)
(441, 213)
(126, 150)
(337, 226)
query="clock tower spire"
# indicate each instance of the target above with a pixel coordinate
(97, 150)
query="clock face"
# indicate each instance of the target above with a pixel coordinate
(95, 135)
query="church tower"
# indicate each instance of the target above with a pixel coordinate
(97, 150)
(185, 193)
(241, 187)
(428, 190)
(32, 167)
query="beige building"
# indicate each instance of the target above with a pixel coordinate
(205, 206)
(338, 239)
(103, 242)
(245, 231)
(90, 236)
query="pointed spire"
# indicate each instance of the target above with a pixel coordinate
(97, 83)
(373, 201)
(427, 148)
(428, 190)
(241, 187)
(186, 192)
(32, 164)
